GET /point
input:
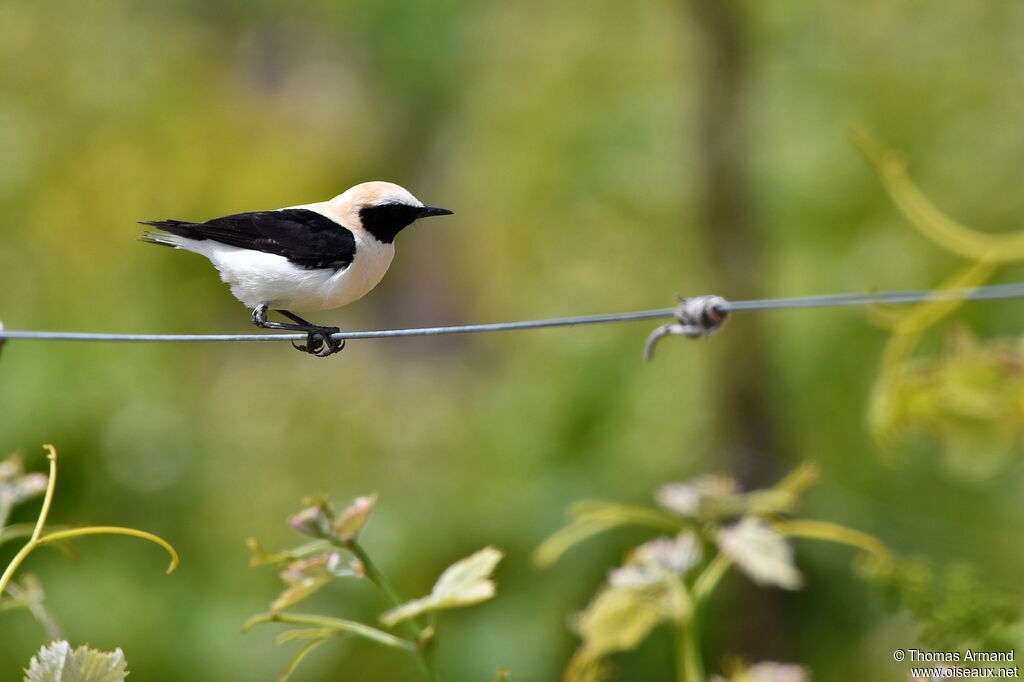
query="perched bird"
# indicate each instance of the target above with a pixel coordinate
(303, 258)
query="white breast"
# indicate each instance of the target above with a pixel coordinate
(256, 277)
(371, 263)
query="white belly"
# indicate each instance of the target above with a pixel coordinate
(256, 277)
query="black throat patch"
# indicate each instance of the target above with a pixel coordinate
(387, 220)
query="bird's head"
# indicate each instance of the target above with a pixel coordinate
(381, 208)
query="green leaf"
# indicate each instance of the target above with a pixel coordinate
(761, 552)
(617, 619)
(464, 583)
(591, 517)
(56, 662)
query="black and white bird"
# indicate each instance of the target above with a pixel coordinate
(303, 258)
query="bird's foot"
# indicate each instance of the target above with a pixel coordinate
(321, 342)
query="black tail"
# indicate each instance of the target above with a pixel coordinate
(178, 227)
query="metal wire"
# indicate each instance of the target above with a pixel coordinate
(994, 292)
(988, 293)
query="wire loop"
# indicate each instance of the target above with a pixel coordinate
(695, 317)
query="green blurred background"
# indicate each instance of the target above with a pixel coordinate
(599, 156)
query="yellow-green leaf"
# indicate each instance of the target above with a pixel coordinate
(57, 662)
(617, 619)
(464, 583)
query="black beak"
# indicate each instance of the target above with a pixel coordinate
(428, 211)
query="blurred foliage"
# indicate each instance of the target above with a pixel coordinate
(337, 553)
(967, 402)
(16, 487)
(564, 137)
(956, 607)
(968, 399)
(669, 580)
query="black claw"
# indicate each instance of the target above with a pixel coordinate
(320, 343)
(331, 348)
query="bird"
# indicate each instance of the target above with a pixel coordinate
(304, 258)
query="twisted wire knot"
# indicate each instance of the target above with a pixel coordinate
(695, 317)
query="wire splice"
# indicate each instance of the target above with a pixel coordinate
(695, 317)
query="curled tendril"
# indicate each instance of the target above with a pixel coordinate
(38, 538)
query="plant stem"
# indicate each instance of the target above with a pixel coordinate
(424, 638)
(40, 522)
(429, 662)
(709, 578)
(376, 577)
(334, 625)
(13, 566)
(689, 665)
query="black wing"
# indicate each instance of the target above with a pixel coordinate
(304, 237)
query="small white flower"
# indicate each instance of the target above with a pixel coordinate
(687, 498)
(760, 552)
(768, 671)
(676, 555)
(653, 561)
(777, 672)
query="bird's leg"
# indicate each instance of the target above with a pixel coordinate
(259, 318)
(319, 341)
(295, 318)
